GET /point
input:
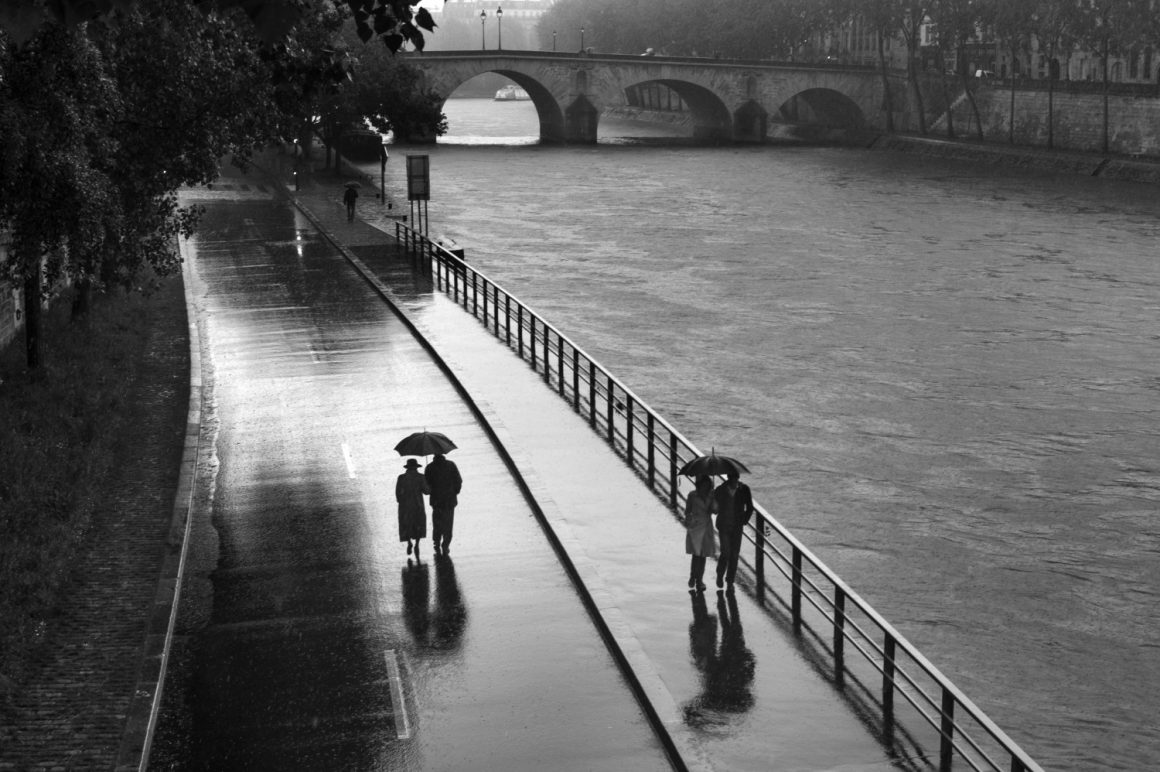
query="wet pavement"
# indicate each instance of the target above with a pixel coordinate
(327, 647)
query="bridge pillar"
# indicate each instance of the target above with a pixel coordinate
(750, 123)
(580, 122)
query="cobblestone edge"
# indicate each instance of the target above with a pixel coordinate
(141, 718)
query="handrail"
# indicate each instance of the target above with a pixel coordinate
(641, 436)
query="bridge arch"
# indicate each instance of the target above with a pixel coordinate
(552, 117)
(711, 117)
(823, 108)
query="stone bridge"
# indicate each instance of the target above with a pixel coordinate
(729, 101)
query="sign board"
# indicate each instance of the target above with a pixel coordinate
(418, 178)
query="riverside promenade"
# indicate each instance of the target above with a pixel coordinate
(562, 634)
(727, 683)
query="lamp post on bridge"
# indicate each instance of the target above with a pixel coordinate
(553, 41)
(581, 40)
(483, 30)
(499, 21)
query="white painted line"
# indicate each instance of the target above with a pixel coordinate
(402, 723)
(349, 461)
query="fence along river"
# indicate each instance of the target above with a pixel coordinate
(943, 378)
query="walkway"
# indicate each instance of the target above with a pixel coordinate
(729, 682)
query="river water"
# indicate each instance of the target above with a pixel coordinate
(943, 376)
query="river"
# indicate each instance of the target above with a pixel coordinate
(943, 376)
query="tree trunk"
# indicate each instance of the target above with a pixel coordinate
(886, 95)
(1011, 108)
(1105, 68)
(1050, 110)
(919, 108)
(82, 299)
(32, 343)
(948, 105)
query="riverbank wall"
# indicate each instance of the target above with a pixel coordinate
(1060, 161)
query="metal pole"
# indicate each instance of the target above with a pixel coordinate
(499, 21)
(483, 30)
(796, 589)
(652, 466)
(946, 747)
(672, 470)
(631, 425)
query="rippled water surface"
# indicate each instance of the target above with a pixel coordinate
(944, 377)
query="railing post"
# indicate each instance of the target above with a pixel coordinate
(495, 310)
(946, 748)
(547, 355)
(652, 465)
(485, 282)
(576, 379)
(759, 556)
(631, 455)
(672, 470)
(474, 294)
(507, 320)
(532, 339)
(560, 364)
(796, 589)
(888, 678)
(591, 393)
(520, 327)
(609, 412)
(839, 633)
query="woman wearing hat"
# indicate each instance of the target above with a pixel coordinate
(409, 490)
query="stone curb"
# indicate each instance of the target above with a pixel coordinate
(145, 705)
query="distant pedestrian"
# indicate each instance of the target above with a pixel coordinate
(350, 197)
(734, 504)
(445, 483)
(699, 539)
(409, 490)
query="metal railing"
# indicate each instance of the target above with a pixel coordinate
(889, 674)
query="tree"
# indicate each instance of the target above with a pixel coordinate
(1012, 22)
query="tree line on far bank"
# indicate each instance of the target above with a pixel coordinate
(108, 108)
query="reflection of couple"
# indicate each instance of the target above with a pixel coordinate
(726, 670)
(443, 626)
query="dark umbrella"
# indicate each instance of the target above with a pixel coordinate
(712, 464)
(354, 184)
(424, 444)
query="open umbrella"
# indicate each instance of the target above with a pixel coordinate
(712, 464)
(354, 184)
(424, 443)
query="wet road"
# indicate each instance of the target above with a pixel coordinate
(327, 647)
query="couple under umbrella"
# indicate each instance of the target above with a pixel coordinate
(733, 504)
(441, 481)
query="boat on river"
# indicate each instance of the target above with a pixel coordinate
(511, 93)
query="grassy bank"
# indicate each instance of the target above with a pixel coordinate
(59, 430)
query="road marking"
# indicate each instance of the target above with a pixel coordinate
(349, 460)
(402, 723)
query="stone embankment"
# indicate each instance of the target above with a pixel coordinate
(1088, 164)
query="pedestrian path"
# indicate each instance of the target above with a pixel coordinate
(730, 682)
(317, 641)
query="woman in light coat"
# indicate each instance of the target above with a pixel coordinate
(700, 539)
(409, 490)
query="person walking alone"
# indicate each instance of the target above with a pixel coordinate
(445, 483)
(699, 539)
(734, 504)
(350, 198)
(409, 489)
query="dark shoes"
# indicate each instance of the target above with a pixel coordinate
(408, 548)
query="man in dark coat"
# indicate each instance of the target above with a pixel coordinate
(734, 508)
(445, 483)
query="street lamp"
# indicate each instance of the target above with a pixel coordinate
(499, 21)
(553, 40)
(483, 30)
(581, 40)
